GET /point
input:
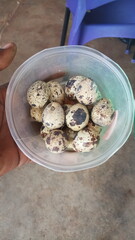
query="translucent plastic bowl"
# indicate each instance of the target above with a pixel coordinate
(68, 61)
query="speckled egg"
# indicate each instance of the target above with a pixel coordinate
(36, 114)
(87, 92)
(85, 141)
(56, 141)
(56, 92)
(102, 113)
(38, 94)
(44, 131)
(71, 85)
(77, 117)
(53, 116)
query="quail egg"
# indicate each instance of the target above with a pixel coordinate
(85, 141)
(71, 85)
(77, 117)
(56, 141)
(53, 116)
(38, 94)
(102, 113)
(36, 114)
(87, 92)
(56, 92)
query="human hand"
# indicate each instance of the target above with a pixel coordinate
(10, 155)
(7, 54)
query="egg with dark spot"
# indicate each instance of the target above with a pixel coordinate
(77, 117)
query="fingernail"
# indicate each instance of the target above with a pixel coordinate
(7, 45)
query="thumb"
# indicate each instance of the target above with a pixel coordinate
(7, 53)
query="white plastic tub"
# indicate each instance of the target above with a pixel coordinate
(69, 60)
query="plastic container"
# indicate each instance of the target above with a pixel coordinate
(67, 61)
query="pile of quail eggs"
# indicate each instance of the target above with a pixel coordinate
(72, 115)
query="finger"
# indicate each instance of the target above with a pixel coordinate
(7, 53)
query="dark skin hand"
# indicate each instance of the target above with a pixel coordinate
(10, 155)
